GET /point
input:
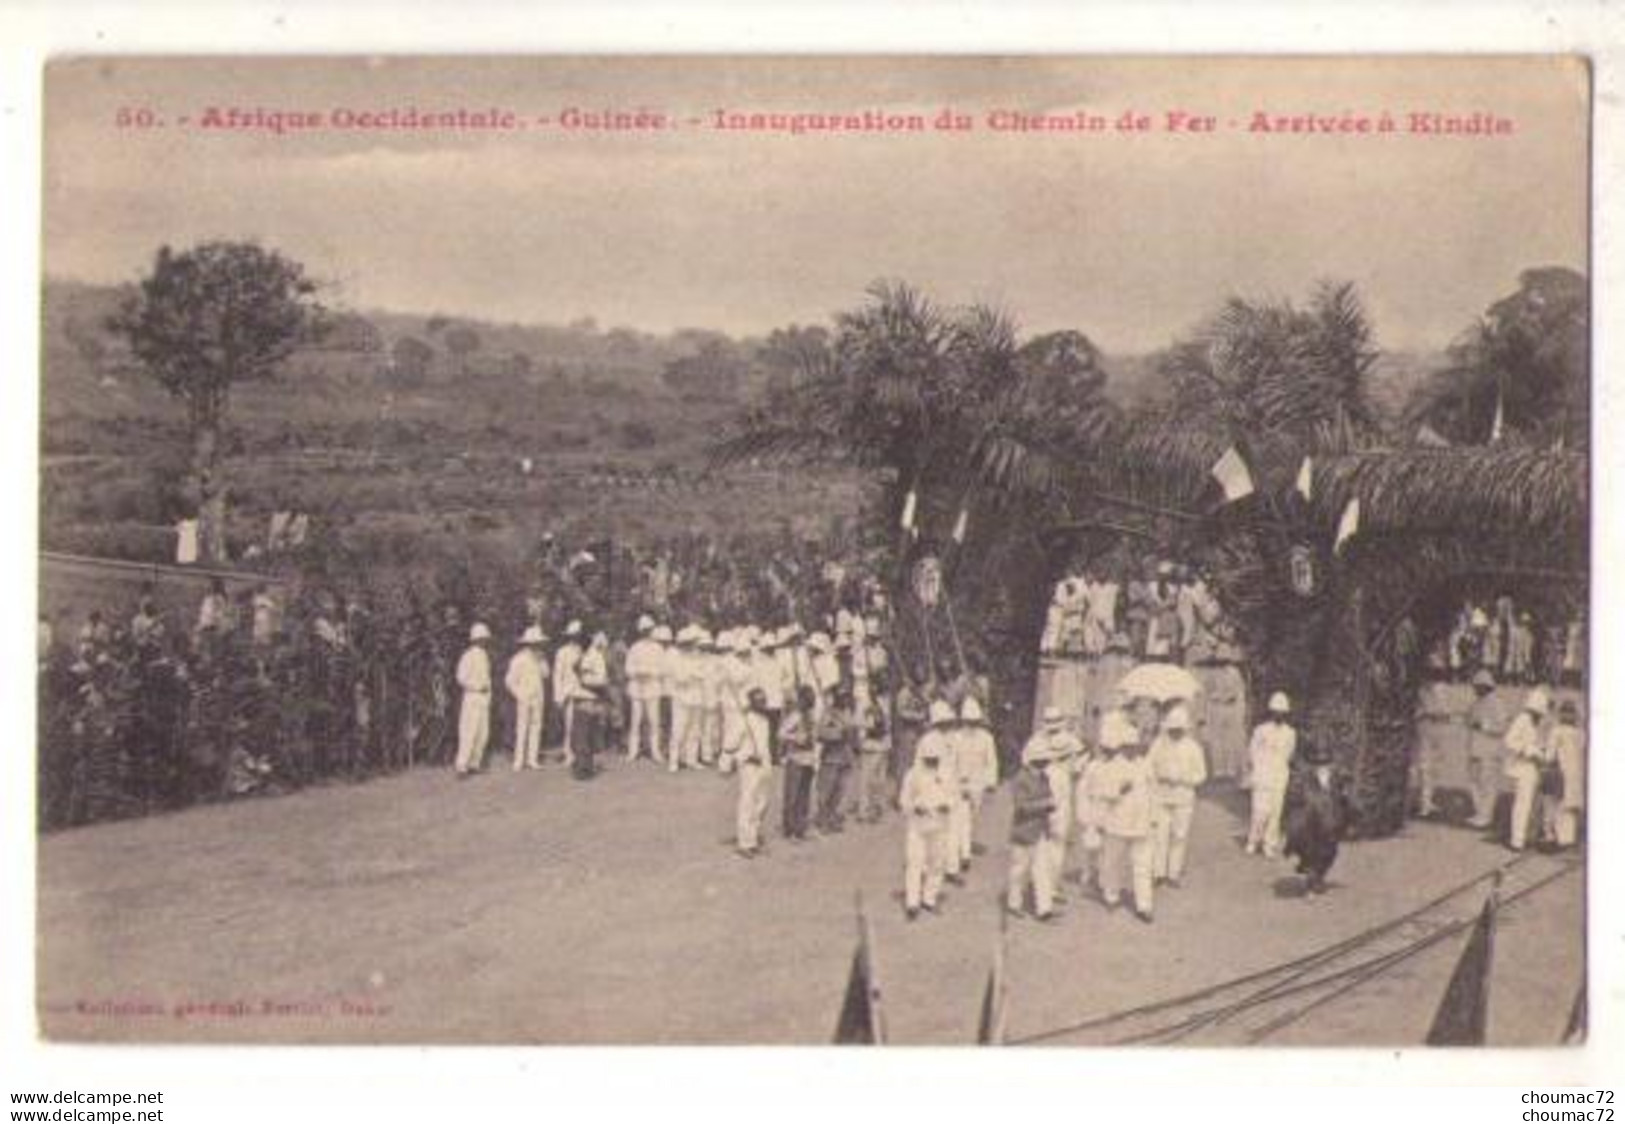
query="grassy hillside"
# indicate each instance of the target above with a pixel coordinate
(414, 463)
(402, 470)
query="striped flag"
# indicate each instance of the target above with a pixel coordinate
(1233, 475)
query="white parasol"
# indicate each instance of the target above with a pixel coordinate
(1162, 682)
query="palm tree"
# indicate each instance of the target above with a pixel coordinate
(943, 402)
(1520, 371)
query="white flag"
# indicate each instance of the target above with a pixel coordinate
(1306, 479)
(960, 525)
(908, 511)
(186, 542)
(1347, 524)
(1233, 475)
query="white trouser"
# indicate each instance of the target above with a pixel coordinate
(754, 782)
(1170, 831)
(1265, 830)
(922, 865)
(645, 718)
(1565, 823)
(1484, 776)
(1028, 865)
(710, 733)
(473, 730)
(1133, 852)
(527, 733)
(1525, 784)
(960, 828)
(569, 730)
(685, 735)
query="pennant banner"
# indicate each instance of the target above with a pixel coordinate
(1574, 1033)
(990, 1024)
(1464, 1009)
(1348, 524)
(861, 1021)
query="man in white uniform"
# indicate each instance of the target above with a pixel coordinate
(1269, 755)
(735, 691)
(926, 798)
(1179, 768)
(526, 680)
(566, 684)
(976, 762)
(1526, 753)
(474, 719)
(754, 760)
(643, 660)
(1123, 786)
(709, 735)
(664, 710)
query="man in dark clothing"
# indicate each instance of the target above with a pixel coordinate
(800, 751)
(1034, 804)
(1317, 812)
(837, 744)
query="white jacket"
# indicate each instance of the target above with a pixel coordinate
(566, 661)
(644, 662)
(474, 671)
(526, 675)
(1178, 766)
(1270, 755)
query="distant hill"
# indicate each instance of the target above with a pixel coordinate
(476, 373)
(503, 432)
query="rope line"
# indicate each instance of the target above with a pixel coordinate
(1309, 960)
(1416, 947)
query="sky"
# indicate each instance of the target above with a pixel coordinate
(1129, 236)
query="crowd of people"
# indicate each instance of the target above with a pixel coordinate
(1114, 812)
(272, 686)
(1512, 644)
(1105, 618)
(1150, 609)
(778, 674)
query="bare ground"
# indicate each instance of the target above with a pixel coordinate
(533, 909)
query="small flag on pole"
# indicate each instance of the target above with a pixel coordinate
(960, 525)
(862, 1020)
(990, 1026)
(1347, 524)
(908, 511)
(1233, 475)
(1306, 479)
(1464, 1009)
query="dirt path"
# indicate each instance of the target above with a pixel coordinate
(533, 909)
